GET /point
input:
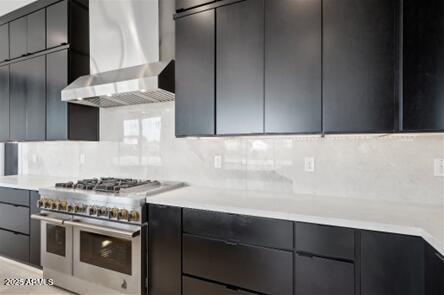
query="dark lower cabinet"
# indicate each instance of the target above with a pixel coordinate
(391, 264)
(34, 231)
(193, 286)
(240, 68)
(293, 69)
(14, 245)
(359, 65)
(14, 218)
(4, 103)
(164, 250)
(321, 276)
(434, 273)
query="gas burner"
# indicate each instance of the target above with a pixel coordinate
(107, 184)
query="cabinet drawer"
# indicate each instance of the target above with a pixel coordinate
(253, 268)
(314, 275)
(239, 228)
(192, 286)
(14, 245)
(14, 196)
(327, 241)
(14, 218)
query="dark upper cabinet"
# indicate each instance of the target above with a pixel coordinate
(164, 250)
(359, 65)
(4, 42)
(293, 69)
(240, 68)
(187, 4)
(4, 103)
(391, 264)
(36, 31)
(57, 24)
(35, 98)
(17, 115)
(423, 74)
(195, 66)
(18, 41)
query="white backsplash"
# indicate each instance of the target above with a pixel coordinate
(139, 142)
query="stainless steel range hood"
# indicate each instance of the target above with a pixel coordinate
(149, 83)
(127, 40)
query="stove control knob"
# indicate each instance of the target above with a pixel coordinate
(113, 213)
(123, 214)
(54, 204)
(47, 203)
(92, 210)
(61, 206)
(41, 203)
(69, 208)
(103, 211)
(79, 208)
(134, 215)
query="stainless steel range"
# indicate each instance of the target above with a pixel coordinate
(93, 234)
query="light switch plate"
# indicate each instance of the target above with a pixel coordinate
(438, 167)
(218, 162)
(309, 164)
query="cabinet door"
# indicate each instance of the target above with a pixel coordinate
(14, 245)
(434, 275)
(57, 24)
(36, 31)
(18, 101)
(293, 89)
(164, 250)
(4, 103)
(4, 42)
(195, 66)
(240, 68)
(358, 65)
(18, 37)
(193, 286)
(56, 109)
(35, 99)
(34, 249)
(423, 75)
(391, 264)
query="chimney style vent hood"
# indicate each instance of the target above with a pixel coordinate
(127, 40)
(153, 82)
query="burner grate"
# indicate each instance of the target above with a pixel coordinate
(106, 184)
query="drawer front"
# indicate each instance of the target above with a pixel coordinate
(14, 246)
(314, 275)
(14, 218)
(258, 269)
(14, 196)
(192, 286)
(327, 241)
(239, 228)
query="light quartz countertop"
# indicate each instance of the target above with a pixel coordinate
(426, 221)
(29, 182)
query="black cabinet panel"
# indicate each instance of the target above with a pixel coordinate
(164, 250)
(391, 264)
(34, 246)
(15, 246)
(36, 31)
(327, 241)
(56, 109)
(186, 4)
(18, 76)
(423, 76)
(4, 42)
(315, 275)
(35, 98)
(434, 275)
(239, 228)
(57, 24)
(192, 286)
(253, 268)
(293, 77)
(358, 65)
(18, 37)
(14, 196)
(240, 68)
(14, 218)
(195, 74)
(4, 103)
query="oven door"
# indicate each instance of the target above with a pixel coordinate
(108, 254)
(56, 241)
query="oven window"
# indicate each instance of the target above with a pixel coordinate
(55, 239)
(106, 252)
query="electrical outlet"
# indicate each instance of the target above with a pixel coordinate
(309, 164)
(439, 167)
(218, 162)
(82, 159)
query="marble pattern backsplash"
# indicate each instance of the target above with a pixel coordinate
(139, 142)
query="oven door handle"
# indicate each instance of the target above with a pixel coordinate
(105, 229)
(45, 218)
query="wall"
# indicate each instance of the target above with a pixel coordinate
(139, 141)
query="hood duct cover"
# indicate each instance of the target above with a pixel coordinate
(149, 83)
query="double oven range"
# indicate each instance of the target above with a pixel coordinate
(93, 234)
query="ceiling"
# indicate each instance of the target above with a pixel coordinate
(7, 6)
